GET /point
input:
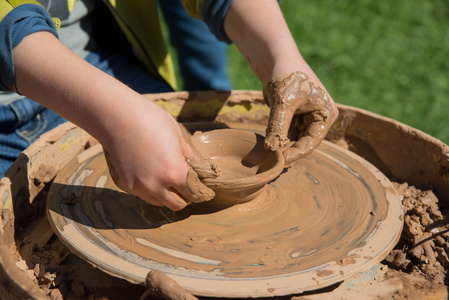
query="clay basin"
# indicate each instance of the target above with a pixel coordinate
(245, 165)
(25, 232)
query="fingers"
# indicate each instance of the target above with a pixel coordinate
(284, 97)
(188, 188)
(168, 198)
(201, 191)
(297, 98)
(199, 168)
(315, 125)
(192, 190)
(152, 201)
(277, 129)
(316, 130)
(195, 159)
(203, 167)
(300, 149)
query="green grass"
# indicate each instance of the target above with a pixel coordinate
(389, 57)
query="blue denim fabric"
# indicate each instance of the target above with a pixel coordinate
(23, 121)
(202, 59)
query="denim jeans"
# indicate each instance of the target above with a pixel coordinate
(24, 120)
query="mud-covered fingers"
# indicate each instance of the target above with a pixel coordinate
(194, 158)
(284, 96)
(316, 130)
(312, 126)
(299, 149)
(201, 192)
(203, 167)
(192, 190)
(278, 126)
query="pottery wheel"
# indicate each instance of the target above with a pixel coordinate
(328, 217)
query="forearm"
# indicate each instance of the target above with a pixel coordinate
(143, 144)
(258, 29)
(49, 73)
(300, 108)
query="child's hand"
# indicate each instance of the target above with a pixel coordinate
(143, 143)
(301, 112)
(147, 157)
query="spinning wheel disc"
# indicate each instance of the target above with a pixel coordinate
(331, 215)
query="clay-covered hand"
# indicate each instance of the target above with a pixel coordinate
(300, 117)
(150, 159)
(199, 168)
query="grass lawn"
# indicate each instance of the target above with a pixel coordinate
(389, 57)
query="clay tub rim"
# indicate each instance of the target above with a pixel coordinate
(251, 181)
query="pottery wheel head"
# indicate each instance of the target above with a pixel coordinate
(328, 217)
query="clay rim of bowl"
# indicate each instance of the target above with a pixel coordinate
(254, 180)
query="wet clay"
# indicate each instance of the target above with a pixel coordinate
(198, 188)
(316, 224)
(199, 168)
(201, 165)
(401, 152)
(424, 245)
(47, 262)
(300, 111)
(417, 266)
(246, 166)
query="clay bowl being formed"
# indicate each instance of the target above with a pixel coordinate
(245, 165)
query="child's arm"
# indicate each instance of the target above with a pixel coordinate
(143, 143)
(291, 88)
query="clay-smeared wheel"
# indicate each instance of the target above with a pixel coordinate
(329, 216)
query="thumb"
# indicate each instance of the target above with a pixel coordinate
(200, 165)
(198, 188)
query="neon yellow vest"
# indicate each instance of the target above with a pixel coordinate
(140, 22)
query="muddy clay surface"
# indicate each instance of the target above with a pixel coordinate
(417, 265)
(418, 274)
(219, 250)
(420, 258)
